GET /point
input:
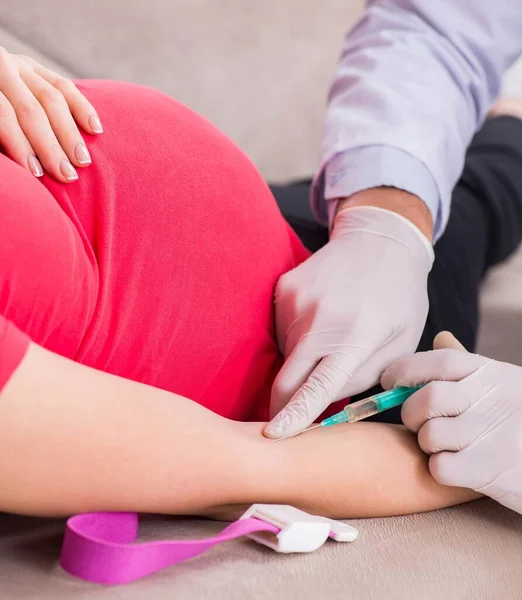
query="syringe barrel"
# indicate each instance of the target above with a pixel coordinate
(361, 409)
(368, 407)
(378, 403)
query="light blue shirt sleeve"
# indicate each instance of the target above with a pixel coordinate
(414, 83)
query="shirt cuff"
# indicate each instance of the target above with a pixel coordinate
(352, 171)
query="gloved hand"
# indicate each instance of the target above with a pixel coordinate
(469, 419)
(347, 313)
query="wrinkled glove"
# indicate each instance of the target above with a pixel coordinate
(469, 420)
(347, 313)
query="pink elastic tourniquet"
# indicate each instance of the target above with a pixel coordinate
(100, 547)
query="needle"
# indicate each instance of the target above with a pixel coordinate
(297, 433)
(367, 407)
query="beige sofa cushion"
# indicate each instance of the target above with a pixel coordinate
(467, 553)
(501, 308)
(260, 71)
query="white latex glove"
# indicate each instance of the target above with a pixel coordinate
(469, 420)
(347, 313)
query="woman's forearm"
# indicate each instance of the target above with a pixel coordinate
(351, 471)
(363, 470)
(73, 440)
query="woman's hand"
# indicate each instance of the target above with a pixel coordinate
(40, 116)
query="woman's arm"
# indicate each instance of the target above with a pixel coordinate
(73, 439)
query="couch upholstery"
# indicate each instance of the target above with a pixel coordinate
(260, 71)
(467, 553)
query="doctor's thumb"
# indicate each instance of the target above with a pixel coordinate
(446, 340)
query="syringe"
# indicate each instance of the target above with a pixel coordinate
(367, 407)
(362, 409)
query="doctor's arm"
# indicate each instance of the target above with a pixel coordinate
(414, 83)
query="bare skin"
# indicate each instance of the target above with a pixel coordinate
(506, 107)
(73, 439)
(398, 201)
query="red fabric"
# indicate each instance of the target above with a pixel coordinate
(158, 265)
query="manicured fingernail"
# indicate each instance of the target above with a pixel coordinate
(68, 171)
(34, 166)
(95, 124)
(82, 154)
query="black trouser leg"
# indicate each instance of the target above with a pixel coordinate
(484, 228)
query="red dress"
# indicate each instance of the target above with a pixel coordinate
(158, 265)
